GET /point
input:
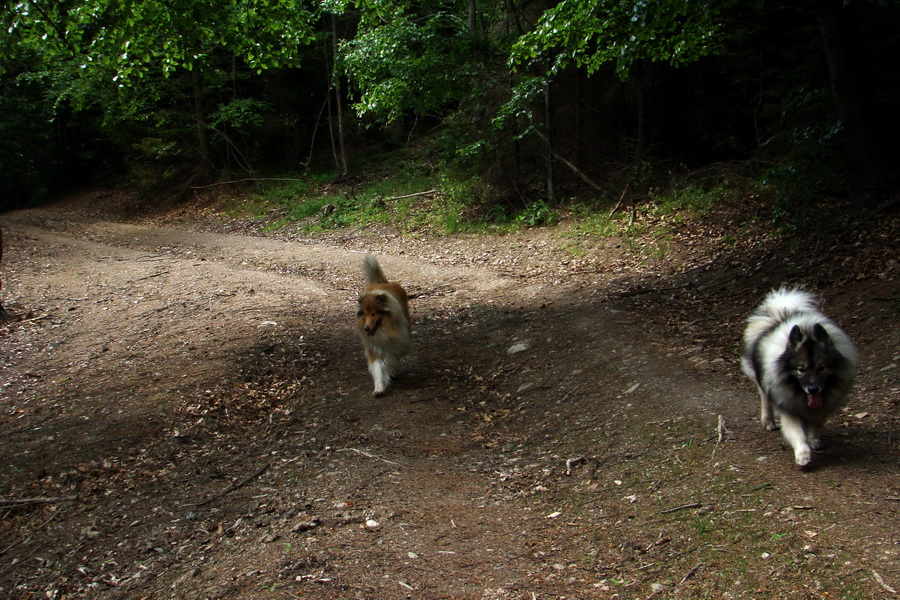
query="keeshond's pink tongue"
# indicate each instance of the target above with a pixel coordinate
(815, 401)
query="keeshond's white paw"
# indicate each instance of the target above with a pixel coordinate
(770, 424)
(816, 443)
(803, 456)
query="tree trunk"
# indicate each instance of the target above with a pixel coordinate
(641, 145)
(337, 98)
(1, 264)
(205, 166)
(551, 152)
(854, 95)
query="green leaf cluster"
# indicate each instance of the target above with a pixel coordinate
(591, 34)
(134, 39)
(408, 58)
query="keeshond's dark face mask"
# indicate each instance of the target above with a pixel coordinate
(812, 359)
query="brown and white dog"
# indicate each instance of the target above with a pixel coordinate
(382, 319)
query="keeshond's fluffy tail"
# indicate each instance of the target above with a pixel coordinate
(373, 271)
(779, 306)
(785, 302)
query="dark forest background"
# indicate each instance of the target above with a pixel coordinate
(534, 100)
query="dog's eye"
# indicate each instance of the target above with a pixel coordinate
(359, 313)
(801, 369)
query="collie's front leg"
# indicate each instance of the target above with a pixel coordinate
(380, 374)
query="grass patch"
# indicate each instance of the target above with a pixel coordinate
(694, 200)
(400, 191)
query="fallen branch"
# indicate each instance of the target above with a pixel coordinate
(150, 276)
(38, 318)
(19, 541)
(234, 486)
(30, 501)
(369, 455)
(882, 583)
(425, 193)
(646, 290)
(245, 180)
(721, 430)
(578, 172)
(570, 392)
(689, 574)
(682, 507)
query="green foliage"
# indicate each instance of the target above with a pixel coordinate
(41, 146)
(594, 221)
(590, 34)
(520, 105)
(807, 148)
(694, 199)
(454, 206)
(536, 214)
(240, 114)
(163, 84)
(135, 39)
(408, 58)
(24, 134)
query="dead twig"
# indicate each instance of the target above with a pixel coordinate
(234, 486)
(44, 316)
(369, 455)
(572, 462)
(355, 231)
(682, 507)
(689, 574)
(245, 180)
(150, 276)
(38, 528)
(570, 392)
(721, 430)
(425, 193)
(30, 501)
(882, 583)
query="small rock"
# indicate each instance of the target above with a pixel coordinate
(305, 526)
(516, 348)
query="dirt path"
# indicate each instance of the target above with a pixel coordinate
(203, 401)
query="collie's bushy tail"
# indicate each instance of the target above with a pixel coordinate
(373, 271)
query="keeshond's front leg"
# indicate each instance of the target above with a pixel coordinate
(814, 437)
(794, 432)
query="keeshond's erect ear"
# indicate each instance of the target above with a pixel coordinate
(821, 336)
(796, 337)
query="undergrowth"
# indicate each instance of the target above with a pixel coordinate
(397, 193)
